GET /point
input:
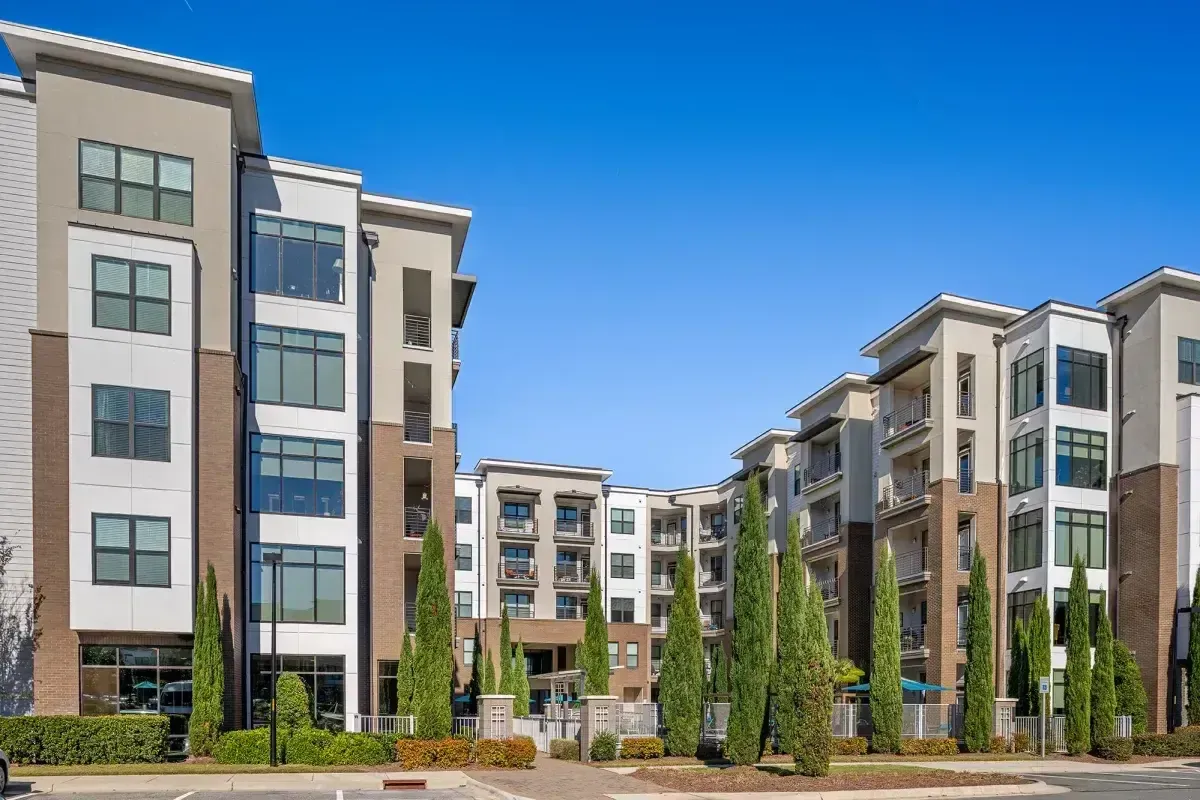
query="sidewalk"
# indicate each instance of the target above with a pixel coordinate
(552, 779)
(263, 782)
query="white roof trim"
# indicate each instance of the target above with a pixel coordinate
(458, 218)
(11, 84)
(1058, 309)
(299, 169)
(597, 472)
(843, 381)
(942, 302)
(1172, 276)
(765, 436)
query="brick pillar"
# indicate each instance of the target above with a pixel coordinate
(597, 714)
(495, 716)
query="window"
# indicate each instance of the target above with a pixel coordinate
(966, 543)
(614, 658)
(738, 502)
(468, 652)
(519, 605)
(1027, 385)
(622, 609)
(135, 183)
(297, 475)
(797, 484)
(312, 584)
(1081, 378)
(621, 565)
(297, 259)
(131, 295)
(462, 605)
(323, 676)
(516, 511)
(1189, 361)
(123, 679)
(1096, 607)
(462, 510)
(294, 367)
(622, 520)
(387, 687)
(1079, 533)
(569, 607)
(1079, 458)
(462, 556)
(1058, 692)
(131, 551)
(631, 655)
(1025, 462)
(569, 514)
(131, 423)
(1025, 540)
(1020, 607)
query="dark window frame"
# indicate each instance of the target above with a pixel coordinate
(1085, 528)
(132, 423)
(133, 297)
(1097, 470)
(458, 556)
(281, 238)
(256, 328)
(624, 614)
(131, 551)
(1035, 362)
(117, 182)
(257, 439)
(1020, 606)
(467, 505)
(1035, 442)
(459, 604)
(1023, 526)
(1097, 600)
(261, 566)
(622, 570)
(1189, 368)
(1078, 363)
(624, 524)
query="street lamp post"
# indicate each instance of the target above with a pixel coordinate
(273, 559)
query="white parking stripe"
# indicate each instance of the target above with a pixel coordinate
(185, 794)
(21, 796)
(339, 795)
(1114, 780)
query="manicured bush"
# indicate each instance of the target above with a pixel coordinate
(244, 747)
(1077, 689)
(1181, 744)
(604, 747)
(791, 662)
(642, 747)
(887, 707)
(1114, 749)
(1039, 652)
(307, 747)
(517, 752)
(60, 740)
(929, 747)
(564, 749)
(521, 751)
(433, 656)
(814, 740)
(1021, 742)
(388, 742)
(448, 753)
(999, 744)
(291, 703)
(1104, 687)
(404, 678)
(854, 746)
(208, 671)
(1131, 693)
(595, 639)
(355, 749)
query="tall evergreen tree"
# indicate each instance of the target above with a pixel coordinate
(980, 691)
(1077, 690)
(713, 667)
(682, 675)
(1193, 658)
(433, 664)
(1130, 691)
(520, 682)
(721, 673)
(1018, 673)
(752, 604)
(791, 641)
(814, 739)
(489, 675)
(1039, 652)
(887, 704)
(208, 670)
(476, 687)
(405, 682)
(595, 640)
(506, 654)
(1104, 687)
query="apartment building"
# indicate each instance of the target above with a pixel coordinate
(203, 380)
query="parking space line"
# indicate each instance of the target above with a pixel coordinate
(185, 794)
(21, 796)
(1114, 780)
(340, 796)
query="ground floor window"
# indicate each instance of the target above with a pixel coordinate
(323, 676)
(118, 679)
(387, 687)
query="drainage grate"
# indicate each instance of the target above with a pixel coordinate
(404, 783)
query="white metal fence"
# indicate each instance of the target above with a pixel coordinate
(392, 725)
(716, 722)
(1124, 727)
(1056, 732)
(466, 726)
(543, 730)
(638, 719)
(926, 721)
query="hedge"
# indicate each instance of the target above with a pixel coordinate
(564, 749)
(517, 752)
(929, 747)
(999, 744)
(307, 747)
(244, 747)
(604, 747)
(854, 746)
(61, 740)
(449, 753)
(354, 749)
(1184, 743)
(642, 747)
(1114, 749)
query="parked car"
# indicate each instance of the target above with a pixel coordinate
(3, 772)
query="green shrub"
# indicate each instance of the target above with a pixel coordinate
(564, 749)
(929, 747)
(244, 747)
(642, 747)
(1114, 749)
(1021, 742)
(388, 742)
(999, 744)
(291, 703)
(307, 747)
(61, 740)
(854, 746)
(448, 753)
(1181, 744)
(604, 747)
(355, 749)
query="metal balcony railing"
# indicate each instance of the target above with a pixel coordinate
(829, 588)
(825, 466)
(712, 622)
(520, 611)
(712, 578)
(418, 427)
(668, 539)
(716, 533)
(912, 640)
(658, 624)
(517, 569)
(823, 530)
(964, 558)
(417, 331)
(966, 480)
(455, 333)
(520, 525)
(410, 617)
(907, 416)
(912, 563)
(571, 573)
(966, 404)
(571, 612)
(962, 629)
(416, 520)
(573, 528)
(833, 643)
(662, 580)
(655, 666)
(904, 490)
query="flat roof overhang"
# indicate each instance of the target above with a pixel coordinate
(820, 426)
(902, 364)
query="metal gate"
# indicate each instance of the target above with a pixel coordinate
(542, 730)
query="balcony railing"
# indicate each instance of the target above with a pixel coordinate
(410, 617)
(517, 569)
(520, 612)
(668, 539)
(904, 490)
(573, 529)
(712, 622)
(829, 588)
(966, 480)
(655, 666)
(966, 404)
(964, 558)
(572, 573)
(822, 530)
(571, 612)
(912, 640)
(962, 627)
(658, 624)
(418, 427)
(416, 520)
(714, 534)
(822, 468)
(662, 580)
(711, 579)
(455, 333)
(912, 564)
(906, 417)
(521, 526)
(833, 643)
(416, 331)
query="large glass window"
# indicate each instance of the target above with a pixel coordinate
(387, 687)
(462, 556)
(1079, 533)
(621, 565)
(312, 583)
(1025, 540)
(323, 676)
(1079, 458)
(295, 367)
(462, 605)
(131, 551)
(622, 520)
(296, 475)
(297, 259)
(519, 605)
(614, 655)
(622, 609)
(120, 679)
(1027, 386)
(1095, 609)
(1081, 378)
(567, 606)
(1189, 361)
(631, 655)
(1020, 607)
(131, 423)
(462, 510)
(131, 295)
(135, 183)
(1025, 462)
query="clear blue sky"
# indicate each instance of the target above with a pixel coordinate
(689, 216)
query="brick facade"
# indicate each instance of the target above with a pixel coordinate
(855, 611)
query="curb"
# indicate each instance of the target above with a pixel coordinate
(1002, 790)
(492, 791)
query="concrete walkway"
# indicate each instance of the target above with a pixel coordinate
(263, 782)
(552, 779)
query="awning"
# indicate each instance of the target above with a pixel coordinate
(746, 472)
(820, 426)
(902, 364)
(462, 287)
(906, 684)
(526, 490)
(574, 495)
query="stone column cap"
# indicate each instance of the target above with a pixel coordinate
(598, 697)
(497, 697)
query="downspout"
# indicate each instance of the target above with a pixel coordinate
(604, 547)
(1119, 423)
(243, 443)
(481, 538)
(998, 671)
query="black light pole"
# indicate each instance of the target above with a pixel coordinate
(273, 559)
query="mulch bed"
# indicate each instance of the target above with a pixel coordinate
(780, 779)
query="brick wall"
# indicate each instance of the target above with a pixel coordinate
(855, 612)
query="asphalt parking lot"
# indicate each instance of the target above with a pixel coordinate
(1159, 783)
(20, 791)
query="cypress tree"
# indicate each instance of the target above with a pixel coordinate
(814, 738)
(1193, 657)
(489, 675)
(980, 691)
(887, 701)
(595, 640)
(476, 687)
(721, 679)
(1038, 646)
(713, 667)
(507, 684)
(752, 604)
(1104, 687)
(1018, 672)
(682, 676)
(208, 670)
(520, 682)
(1077, 696)
(1130, 691)
(405, 683)
(433, 664)
(791, 638)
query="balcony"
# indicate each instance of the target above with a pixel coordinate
(418, 427)
(823, 532)
(516, 528)
(572, 576)
(455, 333)
(662, 582)
(712, 580)
(912, 641)
(903, 495)
(516, 570)
(416, 520)
(912, 566)
(658, 624)
(578, 611)
(712, 623)
(906, 421)
(417, 331)
(833, 644)
(964, 558)
(712, 536)
(572, 530)
(829, 590)
(410, 617)
(966, 480)
(523, 612)
(823, 471)
(671, 540)
(655, 667)
(966, 405)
